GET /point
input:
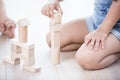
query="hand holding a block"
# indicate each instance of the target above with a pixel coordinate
(48, 9)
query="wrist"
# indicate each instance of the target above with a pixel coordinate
(104, 30)
(2, 13)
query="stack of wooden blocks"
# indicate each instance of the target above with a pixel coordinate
(21, 49)
(55, 27)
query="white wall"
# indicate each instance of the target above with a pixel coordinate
(39, 24)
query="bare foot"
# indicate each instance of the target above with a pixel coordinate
(7, 26)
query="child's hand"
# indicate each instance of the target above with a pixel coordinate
(96, 39)
(49, 8)
(7, 26)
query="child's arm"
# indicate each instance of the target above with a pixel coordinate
(96, 38)
(112, 17)
(7, 26)
(2, 12)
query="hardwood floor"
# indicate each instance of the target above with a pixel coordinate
(67, 70)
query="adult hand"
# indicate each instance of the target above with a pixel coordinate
(7, 26)
(49, 8)
(96, 39)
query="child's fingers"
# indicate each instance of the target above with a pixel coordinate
(48, 11)
(97, 45)
(2, 28)
(8, 24)
(51, 12)
(91, 44)
(10, 33)
(87, 40)
(43, 11)
(103, 44)
(59, 9)
(12, 28)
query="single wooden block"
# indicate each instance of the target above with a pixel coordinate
(14, 56)
(55, 39)
(56, 27)
(55, 55)
(28, 57)
(13, 62)
(22, 34)
(55, 47)
(22, 30)
(15, 52)
(22, 45)
(32, 68)
(56, 19)
(23, 22)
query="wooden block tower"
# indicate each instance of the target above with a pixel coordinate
(22, 50)
(55, 27)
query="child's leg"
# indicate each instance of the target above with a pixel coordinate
(72, 35)
(90, 59)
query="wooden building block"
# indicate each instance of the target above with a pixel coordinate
(55, 48)
(23, 45)
(14, 56)
(24, 52)
(22, 30)
(32, 68)
(13, 62)
(56, 19)
(55, 27)
(55, 39)
(28, 56)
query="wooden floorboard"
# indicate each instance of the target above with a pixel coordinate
(68, 69)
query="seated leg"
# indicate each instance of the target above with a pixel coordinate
(91, 59)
